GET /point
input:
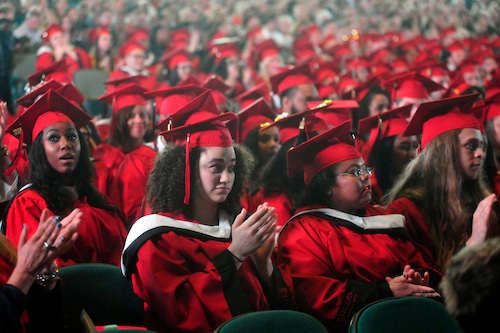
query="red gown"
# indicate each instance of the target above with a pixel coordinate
(131, 177)
(187, 279)
(101, 234)
(45, 58)
(109, 155)
(416, 225)
(338, 265)
(280, 201)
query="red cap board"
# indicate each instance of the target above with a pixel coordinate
(28, 99)
(199, 132)
(56, 71)
(291, 78)
(251, 95)
(410, 85)
(174, 98)
(322, 151)
(51, 30)
(492, 106)
(174, 57)
(128, 95)
(50, 108)
(256, 115)
(333, 112)
(434, 118)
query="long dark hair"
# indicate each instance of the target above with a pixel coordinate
(381, 161)
(316, 192)
(165, 186)
(364, 104)
(47, 181)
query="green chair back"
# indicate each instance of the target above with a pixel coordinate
(273, 321)
(105, 294)
(406, 314)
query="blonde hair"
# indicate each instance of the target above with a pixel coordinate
(7, 250)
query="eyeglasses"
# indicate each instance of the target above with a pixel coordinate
(357, 172)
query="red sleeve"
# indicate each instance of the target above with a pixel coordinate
(26, 208)
(44, 60)
(131, 176)
(84, 57)
(415, 224)
(181, 293)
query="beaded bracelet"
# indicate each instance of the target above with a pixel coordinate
(235, 257)
(45, 279)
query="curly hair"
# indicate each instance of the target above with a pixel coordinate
(165, 185)
(47, 181)
(119, 135)
(434, 181)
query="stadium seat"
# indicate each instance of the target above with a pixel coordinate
(273, 321)
(406, 314)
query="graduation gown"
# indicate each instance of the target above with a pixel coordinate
(280, 201)
(101, 234)
(109, 155)
(188, 280)
(416, 225)
(339, 261)
(131, 176)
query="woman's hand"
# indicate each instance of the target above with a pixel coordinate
(251, 234)
(37, 253)
(3, 121)
(481, 220)
(411, 283)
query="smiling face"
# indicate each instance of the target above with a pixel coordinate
(138, 123)
(62, 147)
(215, 177)
(471, 152)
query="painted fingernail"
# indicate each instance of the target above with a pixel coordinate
(63, 238)
(59, 225)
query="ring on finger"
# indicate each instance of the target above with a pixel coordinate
(49, 246)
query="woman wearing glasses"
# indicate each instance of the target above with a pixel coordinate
(442, 192)
(342, 252)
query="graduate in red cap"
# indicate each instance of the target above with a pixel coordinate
(275, 186)
(61, 180)
(442, 190)
(294, 87)
(56, 47)
(387, 151)
(342, 252)
(375, 101)
(131, 62)
(220, 266)
(263, 142)
(101, 49)
(227, 65)
(126, 153)
(176, 66)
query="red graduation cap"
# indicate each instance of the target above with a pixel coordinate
(130, 46)
(333, 112)
(28, 99)
(434, 118)
(265, 49)
(51, 30)
(179, 38)
(410, 85)
(174, 57)
(291, 78)
(361, 89)
(200, 130)
(49, 109)
(72, 93)
(251, 95)
(139, 34)
(384, 125)
(322, 151)
(291, 126)
(56, 71)
(97, 32)
(127, 95)
(217, 87)
(173, 98)
(221, 51)
(256, 115)
(119, 82)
